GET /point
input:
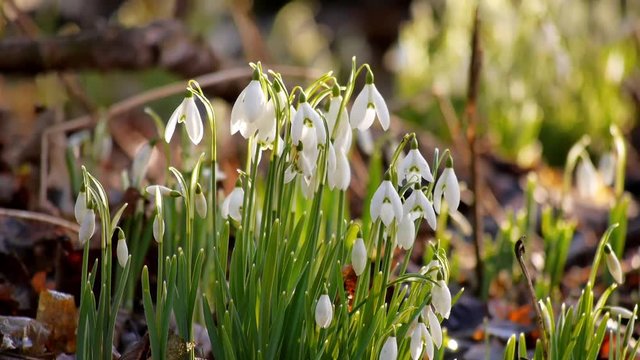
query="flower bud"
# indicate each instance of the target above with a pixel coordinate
(389, 349)
(546, 317)
(441, 299)
(87, 226)
(359, 256)
(613, 264)
(201, 202)
(158, 228)
(324, 311)
(80, 208)
(122, 251)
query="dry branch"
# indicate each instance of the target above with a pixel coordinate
(163, 44)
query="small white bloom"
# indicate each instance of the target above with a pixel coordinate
(122, 252)
(309, 185)
(87, 226)
(324, 311)
(414, 166)
(417, 205)
(588, 180)
(441, 298)
(406, 233)
(80, 207)
(416, 344)
(389, 349)
(343, 132)
(164, 191)
(546, 317)
(428, 340)
(613, 264)
(158, 228)
(386, 204)
(621, 312)
(359, 256)
(248, 109)
(607, 168)
(140, 164)
(307, 118)
(366, 106)
(201, 204)
(187, 113)
(338, 170)
(232, 205)
(434, 326)
(447, 186)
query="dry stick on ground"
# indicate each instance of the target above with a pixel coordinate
(519, 252)
(144, 98)
(30, 215)
(472, 139)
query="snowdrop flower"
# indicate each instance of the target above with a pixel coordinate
(338, 170)
(434, 326)
(248, 108)
(187, 113)
(441, 298)
(447, 186)
(618, 311)
(389, 349)
(607, 168)
(367, 105)
(158, 220)
(419, 338)
(200, 202)
(307, 124)
(386, 204)
(359, 256)
(122, 251)
(414, 166)
(232, 205)
(343, 134)
(613, 264)
(80, 207)
(417, 205)
(164, 191)
(87, 226)
(588, 180)
(406, 233)
(324, 311)
(546, 317)
(140, 164)
(308, 185)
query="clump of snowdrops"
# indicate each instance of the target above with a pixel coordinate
(262, 267)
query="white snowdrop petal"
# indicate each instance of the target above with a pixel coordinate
(87, 226)
(158, 229)
(80, 207)
(381, 107)
(358, 110)
(415, 346)
(253, 101)
(389, 349)
(324, 312)
(193, 121)
(406, 233)
(359, 256)
(297, 124)
(173, 121)
(122, 252)
(386, 213)
(343, 170)
(367, 121)
(237, 114)
(376, 202)
(428, 342)
(452, 191)
(441, 299)
(434, 326)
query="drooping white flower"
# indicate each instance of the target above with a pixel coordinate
(122, 251)
(232, 205)
(434, 326)
(140, 164)
(164, 191)
(447, 186)
(200, 203)
(307, 118)
(343, 136)
(406, 233)
(324, 311)
(87, 226)
(359, 256)
(417, 205)
(428, 341)
(613, 264)
(80, 207)
(389, 349)
(607, 168)
(386, 204)
(588, 180)
(416, 344)
(441, 298)
(338, 169)
(367, 105)
(187, 113)
(248, 108)
(414, 166)
(619, 311)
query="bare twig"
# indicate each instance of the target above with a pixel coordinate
(30, 215)
(472, 139)
(519, 252)
(141, 99)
